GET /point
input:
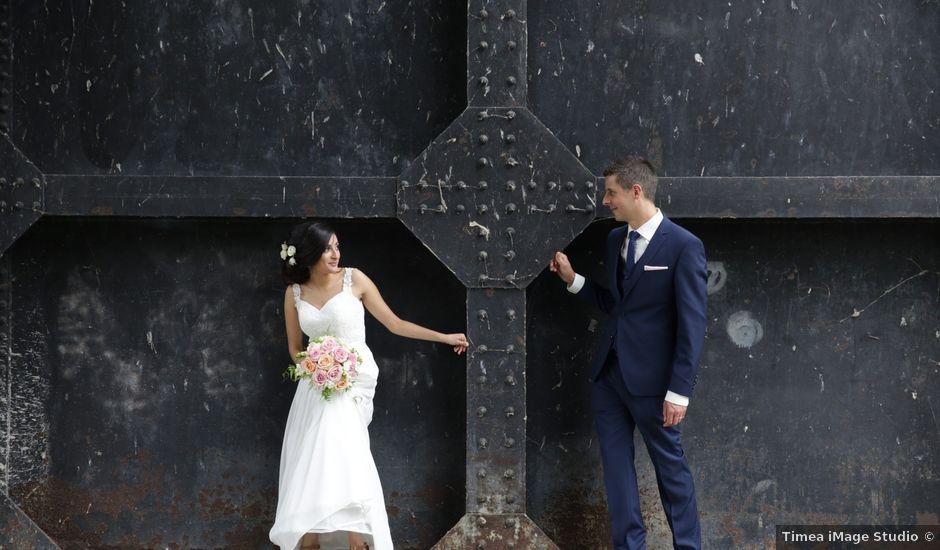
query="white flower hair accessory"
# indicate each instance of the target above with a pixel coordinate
(287, 253)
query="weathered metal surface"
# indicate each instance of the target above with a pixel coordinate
(17, 531)
(495, 532)
(229, 197)
(21, 193)
(742, 89)
(234, 88)
(148, 402)
(801, 197)
(496, 53)
(497, 189)
(817, 393)
(237, 110)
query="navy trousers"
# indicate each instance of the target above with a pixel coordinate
(616, 414)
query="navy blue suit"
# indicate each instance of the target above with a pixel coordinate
(650, 343)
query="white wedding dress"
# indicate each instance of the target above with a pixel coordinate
(328, 481)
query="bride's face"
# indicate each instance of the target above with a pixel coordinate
(329, 260)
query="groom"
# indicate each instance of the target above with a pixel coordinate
(645, 363)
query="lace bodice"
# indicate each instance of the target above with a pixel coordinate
(342, 315)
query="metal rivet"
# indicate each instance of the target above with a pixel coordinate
(510, 138)
(510, 14)
(508, 443)
(589, 208)
(483, 278)
(4, 92)
(510, 231)
(482, 473)
(511, 314)
(482, 209)
(510, 348)
(18, 181)
(483, 81)
(404, 183)
(3, 181)
(511, 81)
(511, 162)
(481, 499)
(483, 139)
(481, 379)
(483, 115)
(482, 256)
(510, 499)
(510, 523)
(482, 315)
(484, 14)
(3, 109)
(482, 186)
(4, 127)
(569, 185)
(510, 412)
(423, 208)
(509, 255)
(404, 208)
(511, 45)
(484, 45)
(510, 186)
(570, 208)
(552, 186)
(511, 279)
(482, 443)
(510, 208)
(461, 185)
(459, 209)
(481, 411)
(422, 184)
(589, 184)
(36, 205)
(509, 474)
(481, 545)
(482, 348)
(482, 162)
(510, 115)
(511, 380)
(533, 185)
(37, 183)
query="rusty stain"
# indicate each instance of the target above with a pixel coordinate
(102, 211)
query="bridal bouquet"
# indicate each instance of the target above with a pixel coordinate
(329, 363)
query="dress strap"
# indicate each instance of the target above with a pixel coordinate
(296, 289)
(347, 279)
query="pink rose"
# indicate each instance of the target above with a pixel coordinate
(352, 373)
(353, 360)
(328, 345)
(319, 377)
(314, 353)
(335, 373)
(340, 354)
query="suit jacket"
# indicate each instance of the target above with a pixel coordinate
(658, 323)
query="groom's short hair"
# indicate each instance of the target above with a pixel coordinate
(634, 169)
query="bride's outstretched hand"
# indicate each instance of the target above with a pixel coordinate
(458, 341)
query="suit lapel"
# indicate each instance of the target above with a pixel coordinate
(652, 249)
(613, 255)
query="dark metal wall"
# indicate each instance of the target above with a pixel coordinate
(153, 157)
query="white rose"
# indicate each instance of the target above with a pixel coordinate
(292, 262)
(291, 250)
(283, 254)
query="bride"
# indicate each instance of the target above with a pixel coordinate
(328, 481)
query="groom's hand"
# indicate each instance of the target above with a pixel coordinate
(672, 414)
(562, 267)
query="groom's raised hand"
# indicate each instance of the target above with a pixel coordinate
(560, 265)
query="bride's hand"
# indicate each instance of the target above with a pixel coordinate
(458, 341)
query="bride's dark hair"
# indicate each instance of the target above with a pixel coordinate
(309, 239)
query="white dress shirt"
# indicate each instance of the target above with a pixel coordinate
(646, 232)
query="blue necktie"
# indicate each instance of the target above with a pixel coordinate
(623, 271)
(631, 253)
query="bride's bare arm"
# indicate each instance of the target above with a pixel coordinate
(372, 300)
(295, 337)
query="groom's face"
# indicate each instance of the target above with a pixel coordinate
(617, 199)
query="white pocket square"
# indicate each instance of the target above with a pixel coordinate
(655, 267)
